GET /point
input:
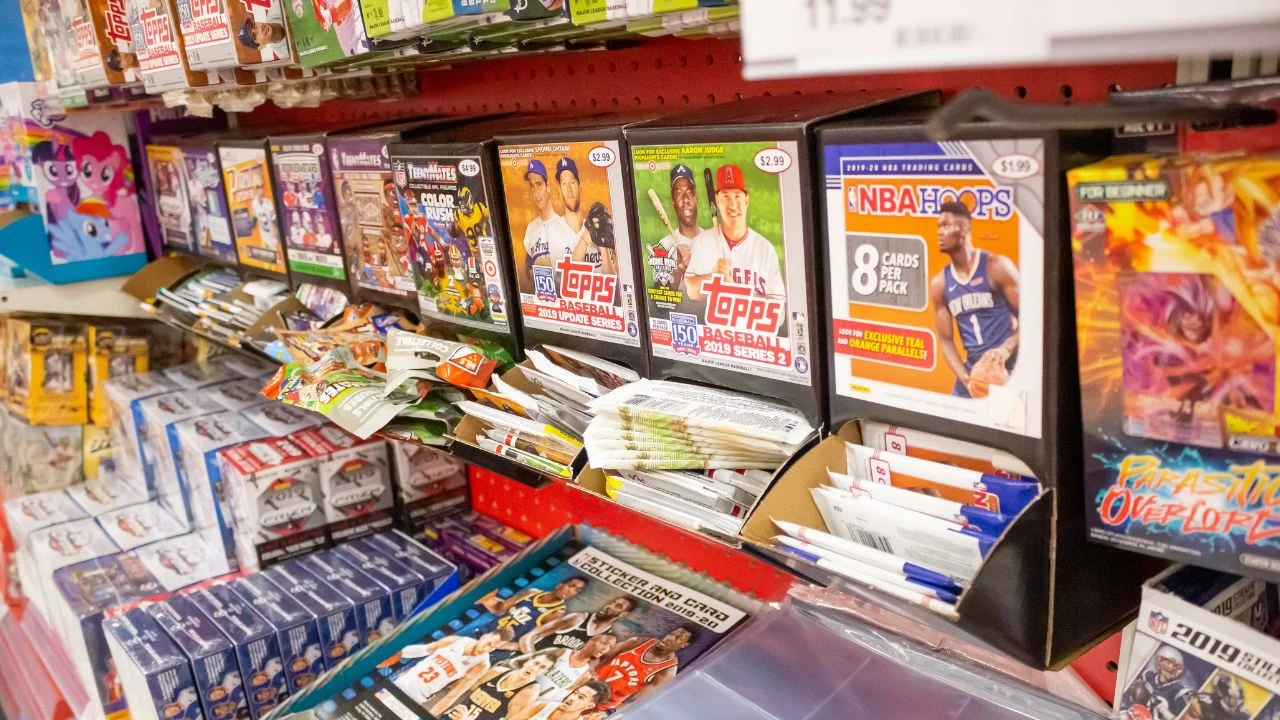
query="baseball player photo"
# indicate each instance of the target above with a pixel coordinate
(676, 246)
(732, 249)
(548, 237)
(976, 296)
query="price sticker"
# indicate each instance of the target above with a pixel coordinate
(834, 36)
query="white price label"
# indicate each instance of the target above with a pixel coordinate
(809, 37)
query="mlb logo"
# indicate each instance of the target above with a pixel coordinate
(684, 334)
(544, 282)
(398, 173)
(1158, 622)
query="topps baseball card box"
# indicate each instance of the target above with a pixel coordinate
(114, 350)
(309, 210)
(1175, 298)
(149, 665)
(47, 371)
(234, 33)
(210, 219)
(169, 197)
(325, 31)
(726, 238)
(161, 49)
(448, 193)
(256, 643)
(251, 200)
(215, 670)
(567, 194)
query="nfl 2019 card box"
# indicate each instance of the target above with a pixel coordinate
(726, 236)
(1176, 298)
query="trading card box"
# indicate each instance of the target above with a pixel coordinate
(241, 394)
(505, 534)
(215, 670)
(200, 374)
(210, 218)
(295, 626)
(24, 515)
(339, 635)
(160, 457)
(1210, 655)
(104, 496)
(430, 484)
(127, 425)
(741, 313)
(251, 199)
(97, 458)
(87, 59)
(540, 10)
(150, 666)
(274, 490)
(400, 546)
(44, 458)
(355, 481)
(184, 559)
(114, 350)
(467, 545)
(369, 212)
(218, 36)
(135, 525)
(325, 31)
(279, 419)
(1181, 428)
(256, 643)
(308, 210)
(405, 585)
(567, 194)
(46, 371)
(169, 186)
(161, 49)
(46, 550)
(369, 600)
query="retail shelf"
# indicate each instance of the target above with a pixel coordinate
(101, 298)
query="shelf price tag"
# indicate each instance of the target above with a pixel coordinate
(813, 37)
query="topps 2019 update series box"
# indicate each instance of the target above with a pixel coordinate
(725, 232)
(1176, 292)
(567, 193)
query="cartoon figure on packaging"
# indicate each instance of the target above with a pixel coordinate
(86, 233)
(102, 174)
(58, 163)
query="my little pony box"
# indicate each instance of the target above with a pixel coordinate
(74, 177)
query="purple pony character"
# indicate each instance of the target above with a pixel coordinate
(59, 166)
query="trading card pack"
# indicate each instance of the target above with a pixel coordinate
(215, 670)
(295, 627)
(325, 31)
(29, 513)
(309, 210)
(210, 219)
(148, 664)
(251, 199)
(354, 480)
(161, 49)
(404, 584)
(370, 602)
(256, 643)
(430, 483)
(169, 197)
(135, 525)
(274, 489)
(114, 350)
(234, 33)
(1175, 289)
(566, 207)
(339, 635)
(446, 194)
(46, 371)
(968, 487)
(936, 448)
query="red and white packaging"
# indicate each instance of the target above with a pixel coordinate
(355, 480)
(276, 499)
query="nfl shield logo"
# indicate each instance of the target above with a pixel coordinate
(1158, 622)
(398, 174)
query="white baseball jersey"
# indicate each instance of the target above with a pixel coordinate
(555, 683)
(755, 261)
(677, 238)
(436, 671)
(546, 241)
(592, 255)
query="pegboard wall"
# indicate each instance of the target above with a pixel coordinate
(541, 512)
(669, 75)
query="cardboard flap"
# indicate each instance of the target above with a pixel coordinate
(162, 273)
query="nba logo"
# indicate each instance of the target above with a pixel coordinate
(398, 173)
(1158, 622)
(684, 334)
(544, 282)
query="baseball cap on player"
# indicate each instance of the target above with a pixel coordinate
(246, 34)
(535, 168)
(568, 164)
(681, 171)
(729, 177)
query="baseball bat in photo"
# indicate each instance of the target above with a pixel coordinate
(709, 182)
(662, 212)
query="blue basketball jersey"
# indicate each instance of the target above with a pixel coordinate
(982, 315)
(528, 613)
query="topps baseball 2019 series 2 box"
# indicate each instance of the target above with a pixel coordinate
(566, 194)
(210, 219)
(251, 199)
(1176, 285)
(309, 213)
(725, 234)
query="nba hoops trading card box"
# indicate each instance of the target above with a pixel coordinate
(725, 237)
(169, 197)
(1176, 293)
(567, 195)
(210, 220)
(309, 214)
(251, 199)
(447, 195)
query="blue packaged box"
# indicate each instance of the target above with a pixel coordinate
(153, 672)
(214, 667)
(339, 636)
(257, 647)
(404, 584)
(432, 567)
(370, 601)
(295, 626)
